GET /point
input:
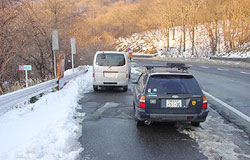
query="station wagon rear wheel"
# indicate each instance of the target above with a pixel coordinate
(140, 123)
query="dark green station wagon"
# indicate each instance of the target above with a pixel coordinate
(168, 94)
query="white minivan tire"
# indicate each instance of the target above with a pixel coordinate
(95, 88)
(125, 89)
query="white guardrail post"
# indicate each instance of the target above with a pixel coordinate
(10, 99)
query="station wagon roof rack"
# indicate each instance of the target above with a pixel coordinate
(179, 66)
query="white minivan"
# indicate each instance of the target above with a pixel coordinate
(111, 68)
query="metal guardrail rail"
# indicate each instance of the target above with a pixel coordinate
(231, 59)
(13, 98)
(144, 55)
(138, 55)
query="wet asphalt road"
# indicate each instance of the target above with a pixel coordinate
(109, 132)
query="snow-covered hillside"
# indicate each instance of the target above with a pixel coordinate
(243, 51)
(155, 41)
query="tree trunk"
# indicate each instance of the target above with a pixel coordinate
(230, 36)
(216, 36)
(180, 47)
(211, 38)
(1, 90)
(184, 37)
(193, 35)
(173, 34)
(168, 30)
(224, 33)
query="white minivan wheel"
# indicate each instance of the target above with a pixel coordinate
(125, 89)
(95, 88)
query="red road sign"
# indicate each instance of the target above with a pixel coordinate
(21, 68)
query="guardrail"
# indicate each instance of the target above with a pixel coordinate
(144, 55)
(213, 58)
(231, 59)
(13, 98)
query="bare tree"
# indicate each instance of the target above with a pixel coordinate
(8, 36)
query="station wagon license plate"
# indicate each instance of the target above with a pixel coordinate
(173, 103)
(110, 74)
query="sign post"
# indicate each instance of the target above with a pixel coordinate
(130, 52)
(26, 79)
(60, 71)
(73, 50)
(55, 47)
(25, 68)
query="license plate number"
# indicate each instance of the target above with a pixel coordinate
(173, 103)
(111, 75)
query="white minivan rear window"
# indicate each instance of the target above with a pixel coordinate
(108, 59)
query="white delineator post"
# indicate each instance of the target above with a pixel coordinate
(72, 62)
(73, 51)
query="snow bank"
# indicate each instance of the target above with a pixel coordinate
(48, 129)
(70, 71)
(136, 70)
(240, 52)
(215, 138)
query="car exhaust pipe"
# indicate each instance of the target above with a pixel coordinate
(147, 122)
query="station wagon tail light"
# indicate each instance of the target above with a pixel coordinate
(93, 75)
(142, 103)
(204, 103)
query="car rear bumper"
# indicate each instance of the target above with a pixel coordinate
(142, 116)
(111, 82)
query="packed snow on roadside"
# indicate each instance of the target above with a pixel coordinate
(47, 129)
(215, 138)
(243, 51)
(71, 71)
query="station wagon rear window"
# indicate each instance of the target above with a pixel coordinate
(106, 59)
(174, 84)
